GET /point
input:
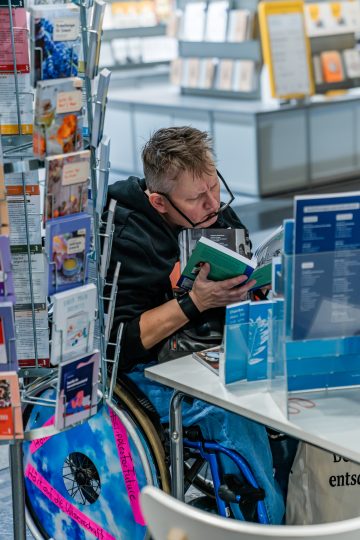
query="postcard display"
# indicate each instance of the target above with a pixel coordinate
(51, 289)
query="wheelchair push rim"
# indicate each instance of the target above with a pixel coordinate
(79, 484)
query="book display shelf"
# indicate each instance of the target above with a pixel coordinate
(219, 49)
(134, 35)
(54, 168)
(333, 29)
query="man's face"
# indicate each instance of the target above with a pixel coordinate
(197, 197)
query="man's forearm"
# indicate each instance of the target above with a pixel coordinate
(159, 323)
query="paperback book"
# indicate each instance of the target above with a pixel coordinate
(20, 41)
(234, 239)
(226, 263)
(74, 314)
(8, 358)
(66, 184)
(209, 358)
(55, 36)
(11, 426)
(77, 390)
(58, 117)
(67, 246)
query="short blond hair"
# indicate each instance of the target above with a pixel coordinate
(173, 150)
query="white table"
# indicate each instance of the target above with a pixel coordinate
(332, 423)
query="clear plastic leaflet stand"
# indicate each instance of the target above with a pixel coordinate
(277, 372)
(322, 322)
(255, 360)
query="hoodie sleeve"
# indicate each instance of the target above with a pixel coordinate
(143, 284)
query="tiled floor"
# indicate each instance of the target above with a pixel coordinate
(260, 217)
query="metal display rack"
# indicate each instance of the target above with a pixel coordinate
(18, 157)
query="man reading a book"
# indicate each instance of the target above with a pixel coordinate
(181, 189)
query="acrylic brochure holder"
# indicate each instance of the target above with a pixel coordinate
(253, 360)
(322, 320)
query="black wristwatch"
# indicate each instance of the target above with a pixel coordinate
(188, 306)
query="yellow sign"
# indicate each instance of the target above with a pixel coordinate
(286, 49)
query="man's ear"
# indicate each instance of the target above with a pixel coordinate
(158, 202)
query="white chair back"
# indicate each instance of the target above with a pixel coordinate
(170, 519)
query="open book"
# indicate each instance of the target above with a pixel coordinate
(226, 263)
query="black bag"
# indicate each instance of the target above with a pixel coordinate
(191, 338)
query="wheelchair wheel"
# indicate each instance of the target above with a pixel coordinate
(83, 483)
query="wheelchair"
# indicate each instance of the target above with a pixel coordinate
(84, 482)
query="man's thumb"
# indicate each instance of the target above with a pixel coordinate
(204, 270)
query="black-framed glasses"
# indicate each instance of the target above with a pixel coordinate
(220, 211)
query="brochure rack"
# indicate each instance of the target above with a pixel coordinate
(248, 49)
(322, 345)
(333, 29)
(128, 25)
(18, 158)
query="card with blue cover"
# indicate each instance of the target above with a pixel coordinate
(77, 389)
(67, 246)
(260, 314)
(234, 360)
(8, 357)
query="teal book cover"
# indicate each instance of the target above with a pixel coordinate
(224, 263)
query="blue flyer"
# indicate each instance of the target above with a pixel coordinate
(258, 339)
(233, 363)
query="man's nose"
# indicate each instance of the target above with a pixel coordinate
(212, 202)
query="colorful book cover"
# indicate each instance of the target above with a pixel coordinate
(6, 276)
(11, 426)
(55, 31)
(58, 117)
(332, 68)
(66, 184)
(8, 358)
(233, 363)
(74, 315)
(67, 248)
(258, 338)
(77, 390)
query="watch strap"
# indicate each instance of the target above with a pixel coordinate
(188, 307)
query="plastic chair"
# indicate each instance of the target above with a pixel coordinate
(170, 519)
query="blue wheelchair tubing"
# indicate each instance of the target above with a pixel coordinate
(209, 451)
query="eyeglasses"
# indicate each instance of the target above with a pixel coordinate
(222, 208)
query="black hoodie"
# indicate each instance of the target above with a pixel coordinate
(147, 248)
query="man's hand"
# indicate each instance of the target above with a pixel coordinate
(208, 294)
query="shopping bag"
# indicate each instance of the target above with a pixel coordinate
(323, 487)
